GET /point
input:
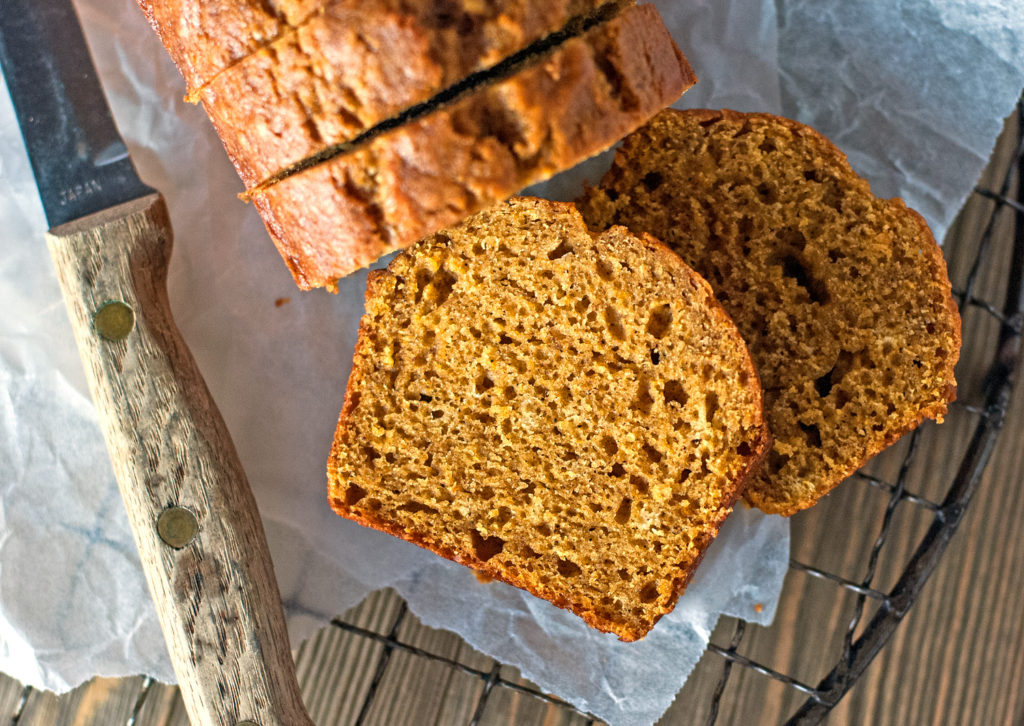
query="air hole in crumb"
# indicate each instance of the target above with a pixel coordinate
(504, 339)
(485, 547)
(842, 397)
(436, 414)
(425, 398)
(812, 433)
(504, 515)
(660, 321)
(655, 357)
(811, 175)
(373, 504)
(562, 250)
(710, 405)
(353, 494)
(389, 457)
(506, 427)
(653, 455)
(794, 268)
(824, 384)
(441, 286)
(639, 483)
(625, 510)
(416, 507)
(744, 449)
(674, 393)
(567, 568)
(777, 461)
(605, 269)
(610, 447)
(623, 573)
(484, 383)
(543, 530)
(487, 493)
(618, 470)
(684, 475)
(371, 454)
(652, 180)
(614, 323)
(644, 400)
(649, 592)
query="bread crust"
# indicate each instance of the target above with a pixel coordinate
(377, 283)
(342, 214)
(355, 64)
(204, 37)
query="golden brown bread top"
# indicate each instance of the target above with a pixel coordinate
(356, 63)
(570, 413)
(842, 297)
(204, 37)
(570, 104)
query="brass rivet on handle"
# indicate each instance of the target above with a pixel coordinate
(114, 320)
(177, 526)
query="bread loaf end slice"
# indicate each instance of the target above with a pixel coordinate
(573, 414)
(570, 104)
(843, 297)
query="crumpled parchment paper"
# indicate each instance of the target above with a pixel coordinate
(913, 91)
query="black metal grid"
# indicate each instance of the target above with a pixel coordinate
(858, 649)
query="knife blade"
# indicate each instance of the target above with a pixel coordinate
(193, 516)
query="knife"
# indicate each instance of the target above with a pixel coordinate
(191, 511)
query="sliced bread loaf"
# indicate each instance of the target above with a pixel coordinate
(570, 413)
(358, 63)
(842, 297)
(203, 37)
(565, 106)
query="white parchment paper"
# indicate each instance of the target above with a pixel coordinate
(913, 91)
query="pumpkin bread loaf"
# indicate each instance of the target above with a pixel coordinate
(203, 37)
(561, 108)
(356, 63)
(570, 413)
(842, 297)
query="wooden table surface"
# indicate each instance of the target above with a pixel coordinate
(958, 657)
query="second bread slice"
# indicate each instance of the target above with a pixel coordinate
(572, 414)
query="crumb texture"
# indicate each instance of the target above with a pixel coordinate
(355, 64)
(842, 297)
(563, 107)
(572, 414)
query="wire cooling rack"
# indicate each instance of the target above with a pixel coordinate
(380, 632)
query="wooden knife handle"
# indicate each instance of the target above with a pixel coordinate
(215, 593)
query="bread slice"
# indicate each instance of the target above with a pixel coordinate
(344, 213)
(842, 297)
(358, 63)
(203, 37)
(573, 414)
